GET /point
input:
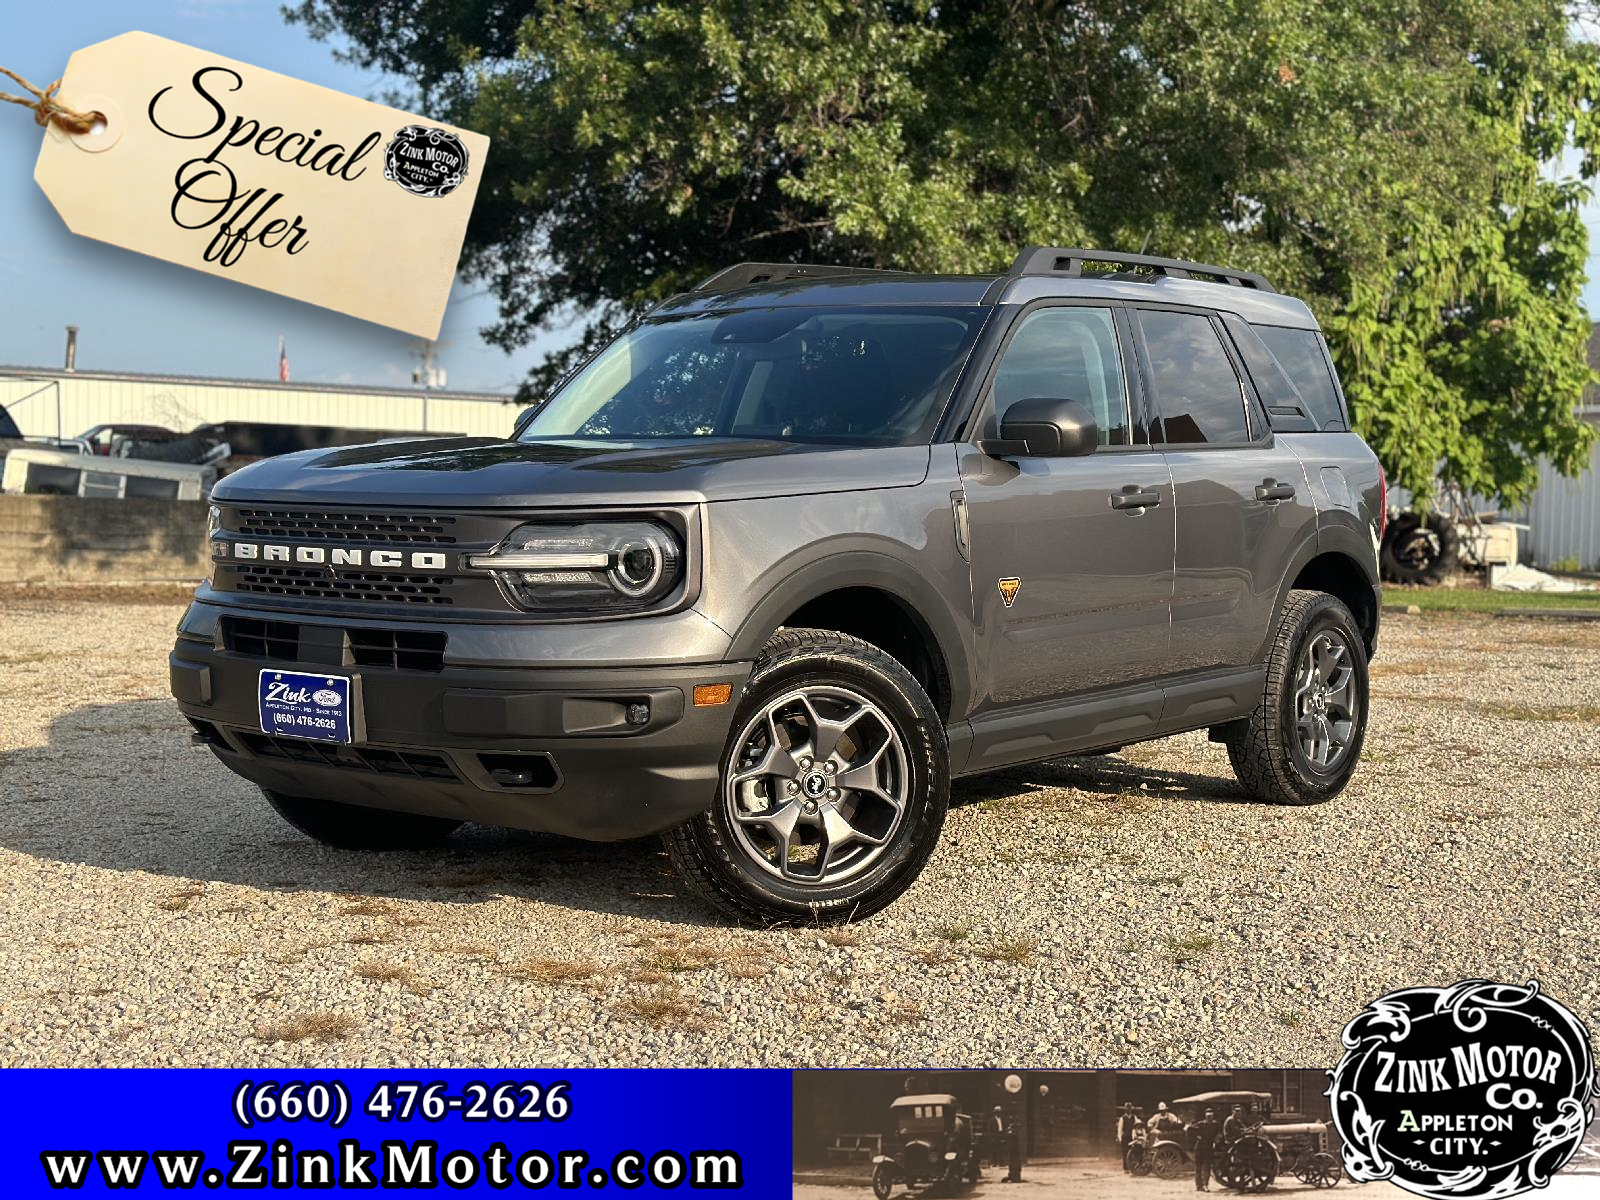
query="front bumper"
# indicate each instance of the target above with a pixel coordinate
(530, 747)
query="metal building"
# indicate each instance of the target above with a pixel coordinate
(1563, 515)
(47, 402)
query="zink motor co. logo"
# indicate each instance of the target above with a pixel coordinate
(1477, 1090)
(425, 161)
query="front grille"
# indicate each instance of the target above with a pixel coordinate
(346, 526)
(412, 763)
(275, 640)
(397, 649)
(316, 583)
(331, 646)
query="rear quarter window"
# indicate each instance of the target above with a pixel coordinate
(1303, 358)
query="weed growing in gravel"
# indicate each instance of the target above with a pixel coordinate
(315, 1027)
(1289, 1020)
(368, 908)
(747, 968)
(1018, 950)
(180, 900)
(374, 937)
(473, 950)
(664, 1009)
(678, 959)
(903, 1012)
(953, 933)
(933, 956)
(1189, 950)
(391, 972)
(842, 936)
(555, 972)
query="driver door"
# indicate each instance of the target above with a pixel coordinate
(1084, 545)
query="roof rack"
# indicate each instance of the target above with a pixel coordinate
(747, 273)
(1057, 260)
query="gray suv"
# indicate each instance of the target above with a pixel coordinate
(794, 551)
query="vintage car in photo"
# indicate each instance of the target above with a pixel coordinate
(932, 1144)
(1250, 1163)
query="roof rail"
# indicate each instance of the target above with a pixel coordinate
(1053, 260)
(747, 273)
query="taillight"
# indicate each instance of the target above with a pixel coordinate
(1383, 502)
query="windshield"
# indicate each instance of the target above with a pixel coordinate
(851, 376)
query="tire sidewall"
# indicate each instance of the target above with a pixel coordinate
(917, 724)
(1325, 613)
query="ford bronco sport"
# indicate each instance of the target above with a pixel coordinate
(792, 552)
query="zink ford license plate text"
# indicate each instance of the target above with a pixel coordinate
(294, 704)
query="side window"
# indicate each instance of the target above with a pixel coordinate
(1299, 352)
(1067, 353)
(1199, 396)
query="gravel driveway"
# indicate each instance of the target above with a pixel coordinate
(1124, 911)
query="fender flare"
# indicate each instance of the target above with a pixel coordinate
(1347, 540)
(881, 572)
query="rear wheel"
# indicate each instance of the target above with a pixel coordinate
(1303, 741)
(354, 827)
(1419, 549)
(833, 789)
(1324, 1171)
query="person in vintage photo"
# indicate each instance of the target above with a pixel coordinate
(1203, 1135)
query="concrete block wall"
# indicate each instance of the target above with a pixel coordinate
(75, 539)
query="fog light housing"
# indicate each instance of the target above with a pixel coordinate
(639, 712)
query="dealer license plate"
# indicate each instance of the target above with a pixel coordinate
(315, 707)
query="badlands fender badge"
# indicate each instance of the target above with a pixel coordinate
(1009, 587)
(1477, 1090)
(218, 165)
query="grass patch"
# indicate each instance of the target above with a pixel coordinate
(555, 972)
(1289, 1020)
(1587, 714)
(376, 937)
(664, 1010)
(1482, 600)
(1189, 950)
(679, 959)
(953, 933)
(309, 1027)
(180, 900)
(1017, 950)
(843, 936)
(1380, 669)
(368, 908)
(391, 972)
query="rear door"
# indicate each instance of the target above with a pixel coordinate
(1242, 501)
(1071, 557)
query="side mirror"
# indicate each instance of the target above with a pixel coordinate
(524, 418)
(1044, 428)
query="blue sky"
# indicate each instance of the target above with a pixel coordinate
(141, 314)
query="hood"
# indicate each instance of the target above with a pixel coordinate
(489, 472)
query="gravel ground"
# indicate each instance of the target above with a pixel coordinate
(1123, 911)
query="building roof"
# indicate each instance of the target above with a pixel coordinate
(48, 374)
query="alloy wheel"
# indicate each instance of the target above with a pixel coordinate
(1326, 702)
(818, 785)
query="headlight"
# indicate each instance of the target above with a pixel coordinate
(213, 526)
(607, 566)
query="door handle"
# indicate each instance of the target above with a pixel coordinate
(1271, 489)
(1132, 497)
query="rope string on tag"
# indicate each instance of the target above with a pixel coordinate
(46, 107)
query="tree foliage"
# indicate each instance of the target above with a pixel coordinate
(1389, 160)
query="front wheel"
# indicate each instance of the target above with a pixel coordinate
(355, 827)
(1303, 741)
(833, 787)
(882, 1181)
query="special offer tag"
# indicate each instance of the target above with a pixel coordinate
(251, 175)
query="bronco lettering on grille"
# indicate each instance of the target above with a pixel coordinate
(332, 556)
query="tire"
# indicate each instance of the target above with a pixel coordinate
(882, 1181)
(355, 827)
(1268, 749)
(1419, 549)
(817, 689)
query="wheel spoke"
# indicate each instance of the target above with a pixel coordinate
(826, 732)
(863, 777)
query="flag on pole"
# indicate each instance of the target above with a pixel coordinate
(283, 361)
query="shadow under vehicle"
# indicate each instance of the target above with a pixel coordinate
(932, 1144)
(1249, 1163)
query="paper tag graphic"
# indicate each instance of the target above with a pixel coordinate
(247, 174)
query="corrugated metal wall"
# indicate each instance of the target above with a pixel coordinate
(1564, 518)
(88, 399)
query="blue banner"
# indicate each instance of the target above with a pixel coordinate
(154, 1131)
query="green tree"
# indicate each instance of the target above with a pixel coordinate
(1389, 160)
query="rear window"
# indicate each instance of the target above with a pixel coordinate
(1304, 360)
